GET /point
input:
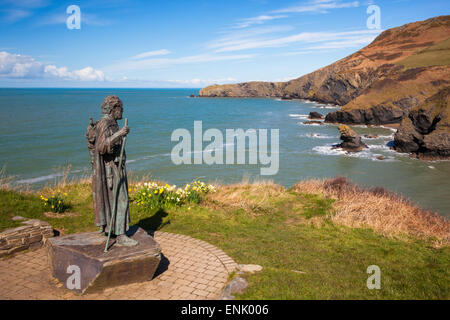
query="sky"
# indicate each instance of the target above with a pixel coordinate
(187, 44)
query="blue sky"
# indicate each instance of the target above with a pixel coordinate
(186, 43)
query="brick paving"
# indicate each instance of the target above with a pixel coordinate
(189, 269)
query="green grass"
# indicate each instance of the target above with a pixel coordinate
(316, 205)
(283, 240)
(30, 206)
(436, 55)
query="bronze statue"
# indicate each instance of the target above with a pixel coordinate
(109, 182)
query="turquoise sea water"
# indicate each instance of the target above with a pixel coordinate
(43, 130)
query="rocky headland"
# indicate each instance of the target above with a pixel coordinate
(394, 80)
(425, 131)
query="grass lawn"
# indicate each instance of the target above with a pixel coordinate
(304, 254)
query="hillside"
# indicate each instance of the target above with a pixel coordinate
(379, 84)
(416, 54)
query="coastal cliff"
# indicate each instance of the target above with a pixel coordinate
(380, 84)
(402, 58)
(425, 131)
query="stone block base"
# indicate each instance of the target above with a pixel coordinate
(80, 263)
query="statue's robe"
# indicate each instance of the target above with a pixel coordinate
(106, 174)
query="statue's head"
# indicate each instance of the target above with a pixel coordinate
(113, 106)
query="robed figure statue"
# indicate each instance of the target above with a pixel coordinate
(109, 187)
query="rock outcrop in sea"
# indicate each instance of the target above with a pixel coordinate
(351, 141)
(315, 115)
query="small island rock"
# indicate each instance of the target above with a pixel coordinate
(351, 141)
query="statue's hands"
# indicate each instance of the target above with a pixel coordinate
(124, 131)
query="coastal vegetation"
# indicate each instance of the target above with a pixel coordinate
(314, 240)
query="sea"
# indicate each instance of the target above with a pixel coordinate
(42, 132)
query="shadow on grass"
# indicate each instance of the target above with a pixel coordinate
(155, 222)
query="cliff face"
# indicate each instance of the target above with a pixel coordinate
(379, 84)
(426, 130)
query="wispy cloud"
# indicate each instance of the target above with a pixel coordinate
(61, 18)
(16, 66)
(303, 37)
(28, 3)
(243, 36)
(244, 23)
(253, 37)
(203, 81)
(147, 64)
(13, 15)
(151, 54)
(319, 6)
(12, 11)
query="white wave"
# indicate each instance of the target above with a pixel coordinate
(149, 157)
(318, 136)
(44, 178)
(382, 147)
(326, 106)
(309, 124)
(299, 116)
(389, 128)
(379, 137)
(330, 150)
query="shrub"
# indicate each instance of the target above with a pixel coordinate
(151, 195)
(56, 203)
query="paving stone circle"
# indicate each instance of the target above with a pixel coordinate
(190, 269)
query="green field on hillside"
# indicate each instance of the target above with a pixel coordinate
(436, 55)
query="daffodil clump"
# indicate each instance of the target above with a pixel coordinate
(153, 195)
(56, 203)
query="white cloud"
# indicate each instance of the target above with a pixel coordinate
(15, 10)
(243, 36)
(203, 81)
(16, 66)
(28, 3)
(13, 15)
(303, 37)
(61, 18)
(321, 6)
(256, 20)
(151, 54)
(146, 64)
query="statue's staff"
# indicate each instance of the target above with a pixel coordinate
(116, 189)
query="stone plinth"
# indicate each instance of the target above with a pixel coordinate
(99, 270)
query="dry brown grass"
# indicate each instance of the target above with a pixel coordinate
(5, 180)
(255, 198)
(378, 209)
